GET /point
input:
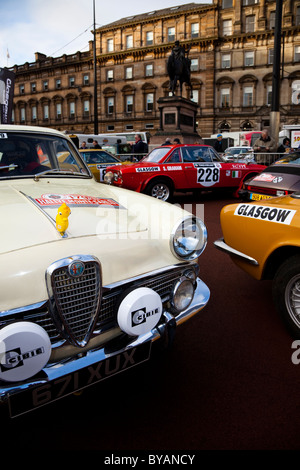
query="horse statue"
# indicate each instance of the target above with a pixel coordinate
(178, 67)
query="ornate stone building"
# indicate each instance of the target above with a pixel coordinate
(231, 47)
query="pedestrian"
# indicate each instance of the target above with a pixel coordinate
(96, 145)
(263, 146)
(218, 145)
(285, 147)
(166, 142)
(139, 146)
(176, 141)
(83, 145)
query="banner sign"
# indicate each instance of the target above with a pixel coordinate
(7, 82)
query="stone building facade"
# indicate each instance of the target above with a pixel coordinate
(231, 48)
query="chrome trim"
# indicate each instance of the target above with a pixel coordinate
(63, 368)
(221, 245)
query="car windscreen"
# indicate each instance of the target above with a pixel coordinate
(25, 154)
(291, 159)
(94, 156)
(156, 154)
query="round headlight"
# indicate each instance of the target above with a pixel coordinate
(183, 294)
(108, 177)
(189, 238)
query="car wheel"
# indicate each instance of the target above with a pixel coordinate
(286, 294)
(160, 189)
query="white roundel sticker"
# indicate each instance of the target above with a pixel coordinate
(139, 311)
(24, 350)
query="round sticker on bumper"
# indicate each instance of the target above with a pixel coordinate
(139, 311)
(25, 348)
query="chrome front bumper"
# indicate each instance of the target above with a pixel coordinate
(221, 245)
(61, 379)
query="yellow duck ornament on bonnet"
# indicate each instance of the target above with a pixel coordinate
(62, 221)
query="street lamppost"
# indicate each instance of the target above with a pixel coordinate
(275, 114)
(95, 75)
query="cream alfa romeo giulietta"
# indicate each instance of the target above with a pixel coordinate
(91, 275)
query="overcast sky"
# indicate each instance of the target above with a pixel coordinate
(57, 27)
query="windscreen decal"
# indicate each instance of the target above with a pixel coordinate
(76, 200)
(267, 213)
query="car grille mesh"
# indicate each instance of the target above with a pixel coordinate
(77, 298)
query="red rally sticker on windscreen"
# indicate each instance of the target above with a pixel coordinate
(75, 200)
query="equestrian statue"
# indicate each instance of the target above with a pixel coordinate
(179, 68)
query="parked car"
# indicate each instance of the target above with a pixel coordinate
(263, 239)
(180, 168)
(91, 275)
(239, 154)
(279, 179)
(98, 160)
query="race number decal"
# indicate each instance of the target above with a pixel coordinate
(208, 175)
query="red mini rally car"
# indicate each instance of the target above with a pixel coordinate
(181, 168)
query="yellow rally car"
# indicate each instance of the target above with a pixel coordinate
(98, 160)
(263, 239)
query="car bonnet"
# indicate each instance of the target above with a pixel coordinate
(28, 212)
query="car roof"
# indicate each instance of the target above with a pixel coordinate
(34, 129)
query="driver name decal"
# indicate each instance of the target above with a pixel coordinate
(270, 214)
(75, 200)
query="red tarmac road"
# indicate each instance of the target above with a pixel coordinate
(228, 383)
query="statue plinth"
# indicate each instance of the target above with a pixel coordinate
(177, 119)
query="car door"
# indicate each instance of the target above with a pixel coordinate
(201, 168)
(173, 167)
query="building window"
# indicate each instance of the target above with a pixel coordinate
(22, 114)
(250, 24)
(110, 45)
(58, 84)
(110, 75)
(45, 85)
(270, 56)
(58, 110)
(72, 109)
(248, 96)
(171, 34)
(149, 101)
(22, 89)
(195, 30)
(195, 96)
(110, 128)
(129, 103)
(128, 73)
(225, 96)
(296, 92)
(86, 79)
(297, 54)
(249, 58)
(33, 87)
(71, 81)
(249, 2)
(110, 105)
(129, 127)
(297, 19)
(269, 95)
(226, 61)
(227, 27)
(33, 113)
(149, 70)
(194, 65)
(45, 112)
(226, 4)
(272, 19)
(129, 41)
(86, 108)
(149, 38)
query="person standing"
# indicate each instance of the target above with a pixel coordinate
(263, 146)
(139, 146)
(176, 141)
(96, 145)
(83, 145)
(218, 145)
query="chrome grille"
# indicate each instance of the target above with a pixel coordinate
(73, 294)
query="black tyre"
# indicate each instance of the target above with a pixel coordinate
(286, 294)
(160, 189)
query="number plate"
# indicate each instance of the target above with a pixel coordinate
(258, 197)
(28, 400)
